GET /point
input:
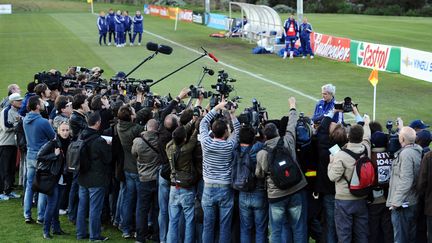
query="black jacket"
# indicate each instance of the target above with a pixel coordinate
(98, 174)
(77, 123)
(323, 183)
(48, 161)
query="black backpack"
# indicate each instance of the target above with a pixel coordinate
(304, 131)
(243, 171)
(284, 171)
(77, 157)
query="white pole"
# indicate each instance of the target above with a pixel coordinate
(374, 103)
(92, 7)
(177, 16)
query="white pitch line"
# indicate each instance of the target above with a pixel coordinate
(239, 69)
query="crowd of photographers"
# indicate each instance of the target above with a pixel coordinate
(161, 169)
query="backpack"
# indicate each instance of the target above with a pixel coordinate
(304, 131)
(364, 177)
(77, 157)
(243, 172)
(184, 179)
(284, 171)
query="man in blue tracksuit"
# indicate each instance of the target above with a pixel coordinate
(291, 35)
(128, 25)
(137, 27)
(102, 27)
(111, 26)
(305, 31)
(119, 28)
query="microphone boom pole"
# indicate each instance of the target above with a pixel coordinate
(139, 65)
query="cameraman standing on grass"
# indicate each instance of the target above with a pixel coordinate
(218, 196)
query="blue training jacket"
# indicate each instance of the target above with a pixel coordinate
(127, 23)
(111, 21)
(305, 30)
(119, 23)
(102, 25)
(287, 24)
(138, 24)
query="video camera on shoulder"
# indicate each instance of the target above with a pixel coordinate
(346, 105)
(195, 92)
(254, 116)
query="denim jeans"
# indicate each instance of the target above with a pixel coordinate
(198, 210)
(217, 199)
(129, 202)
(253, 211)
(329, 216)
(351, 217)
(286, 221)
(146, 193)
(404, 224)
(163, 199)
(51, 217)
(73, 199)
(118, 218)
(380, 226)
(90, 200)
(181, 200)
(28, 195)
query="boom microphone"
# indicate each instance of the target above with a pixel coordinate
(167, 50)
(151, 46)
(213, 57)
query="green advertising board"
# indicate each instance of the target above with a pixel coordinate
(369, 55)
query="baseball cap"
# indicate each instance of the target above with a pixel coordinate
(379, 140)
(15, 97)
(424, 138)
(419, 124)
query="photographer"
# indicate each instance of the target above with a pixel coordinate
(44, 92)
(217, 157)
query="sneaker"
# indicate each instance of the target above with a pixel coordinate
(3, 197)
(39, 221)
(139, 44)
(311, 57)
(109, 43)
(100, 239)
(131, 44)
(14, 195)
(28, 220)
(62, 212)
(303, 57)
(126, 236)
(285, 55)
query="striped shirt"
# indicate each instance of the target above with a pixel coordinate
(217, 153)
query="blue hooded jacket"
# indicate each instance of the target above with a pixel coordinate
(102, 25)
(127, 23)
(119, 23)
(305, 30)
(23, 110)
(138, 24)
(38, 131)
(111, 21)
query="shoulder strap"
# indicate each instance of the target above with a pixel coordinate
(355, 155)
(149, 144)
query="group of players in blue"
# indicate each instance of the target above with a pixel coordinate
(292, 32)
(118, 26)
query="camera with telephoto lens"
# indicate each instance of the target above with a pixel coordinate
(346, 105)
(53, 80)
(195, 92)
(253, 116)
(134, 86)
(222, 86)
(393, 144)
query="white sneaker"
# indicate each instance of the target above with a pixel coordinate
(139, 44)
(131, 44)
(303, 57)
(291, 54)
(117, 45)
(62, 212)
(311, 57)
(285, 55)
(13, 195)
(109, 43)
(3, 197)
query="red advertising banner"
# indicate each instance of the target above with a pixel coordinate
(328, 46)
(186, 15)
(163, 13)
(154, 10)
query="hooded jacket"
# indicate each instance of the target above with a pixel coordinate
(147, 160)
(262, 168)
(404, 176)
(38, 132)
(98, 174)
(127, 132)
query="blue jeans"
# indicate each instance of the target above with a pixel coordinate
(253, 211)
(329, 215)
(51, 217)
(217, 199)
(118, 218)
(286, 219)
(163, 199)
(146, 193)
(351, 217)
(73, 199)
(181, 200)
(198, 222)
(404, 224)
(129, 201)
(92, 198)
(28, 195)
